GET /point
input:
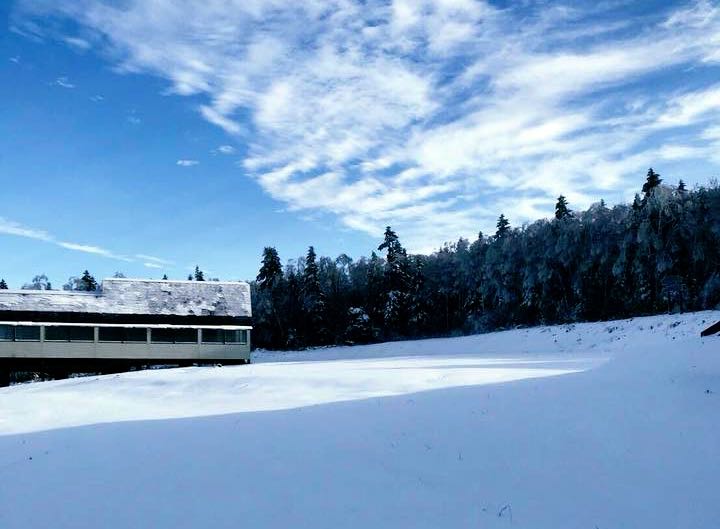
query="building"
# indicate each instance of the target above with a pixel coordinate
(126, 323)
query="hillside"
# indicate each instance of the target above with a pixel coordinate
(601, 425)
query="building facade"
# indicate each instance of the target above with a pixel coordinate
(126, 323)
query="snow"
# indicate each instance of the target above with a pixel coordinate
(138, 296)
(605, 425)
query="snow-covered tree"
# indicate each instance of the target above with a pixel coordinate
(39, 282)
(662, 252)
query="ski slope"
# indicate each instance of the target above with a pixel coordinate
(602, 425)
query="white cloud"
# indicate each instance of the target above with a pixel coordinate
(688, 108)
(95, 250)
(153, 259)
(187, 163)
(431, 115)
(77, 43)
(226, 149)
(9, 227)
(63, 81)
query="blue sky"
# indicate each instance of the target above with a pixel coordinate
(147, 137)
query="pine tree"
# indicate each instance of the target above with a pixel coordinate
(271, 269)
(3, 284)
(199, 274)
(313, 299)
(397, 282)
(270, 284)
(503, 227)
(87, 282)
(164, 277)
(391, 243)
(561, 208)
(681, 187)
(661, 252)
(653, 180)
(190, 277)
(311, 280)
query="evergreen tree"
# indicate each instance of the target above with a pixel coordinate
(3, 284)
(313, 299)
(270, 272)
(681, 187)
(561, 208)
(164, 277)
(199, 274)
(660, 253)
(311, 281)
(503, 227)
(271, 287)
(653, 180)
(88, 282)
(391, 243)
(397, 283)
(190, 277)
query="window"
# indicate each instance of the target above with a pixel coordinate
(122, 334)
(173, 336)
(26, 333)
(213, 336)
(236, 337)
(224, 336)
(69, 334)
(7, 333)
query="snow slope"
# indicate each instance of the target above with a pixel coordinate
(607, 425)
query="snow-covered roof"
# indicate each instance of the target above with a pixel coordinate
(138, 296)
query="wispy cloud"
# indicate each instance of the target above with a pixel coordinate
(9, 227)
(133, 118)
(77, 43)
(225, 149)
(431, 115)
(95, 250)
(97, 98)
(15, 59)
(187, 163)
(64, 82)
(150, 261)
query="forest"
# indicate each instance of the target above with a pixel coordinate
(659, 254)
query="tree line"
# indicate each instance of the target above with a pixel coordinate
(660, 253)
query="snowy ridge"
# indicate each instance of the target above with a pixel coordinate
(613, 424)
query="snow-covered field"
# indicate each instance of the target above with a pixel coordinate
(605, 425)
